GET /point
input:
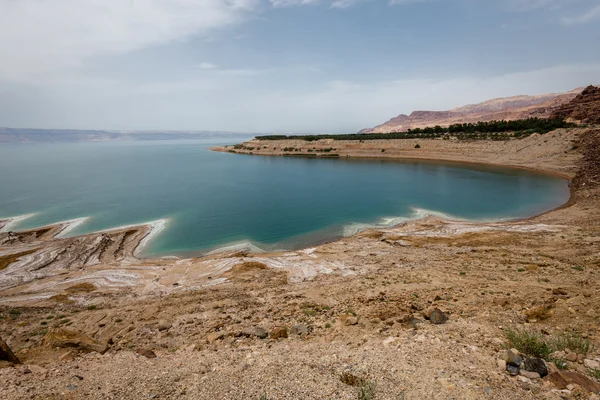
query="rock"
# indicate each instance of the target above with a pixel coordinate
(68, 356)
(164, 326)
(501, 364)
(536, 365)
(213, 337)
(512, 370)
(513, 358)
(279, 333)
(529, 374)
(538, 313)
(348, 319)
(591, 364)
(412, 322)
(65, 338)
(299, 329)
(36, 369)
(146, 353)
(255, 331)
(559, 292)
(564, 378)
(427, 312)
(6, 353)
(438, 317)
(502, 302)
(580, 358)
(571, 357)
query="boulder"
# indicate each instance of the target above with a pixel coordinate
(65, 338)
(438, 317)
(6, 353)
(536, 365)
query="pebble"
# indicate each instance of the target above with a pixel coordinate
(300, 329)
(513, 358)
(512, 370)
(279, 333)
(146, 353)
(592, 364)
(257, 331)
(529, 374)
(501, 364)
(213, 337)
(438, 317)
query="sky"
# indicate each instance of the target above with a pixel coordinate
(285, 66)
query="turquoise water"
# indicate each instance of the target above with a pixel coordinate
(212, 200)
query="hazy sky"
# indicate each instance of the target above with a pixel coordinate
(281, 65)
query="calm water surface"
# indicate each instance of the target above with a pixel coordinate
(212, 200)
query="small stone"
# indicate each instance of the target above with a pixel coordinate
(529, 374)
(348, 319)
(36, 369)
(488, 390)
(72, 387)
(536, 365)
(427, 312)
(299, 329)
(146, 353)
(68, 356)
(255, 331)
(501, 364)
(571, 357)
(438, 317)
(559, 292)
(512, 370)
(591, 364)
(513, 358)
(580, 358)
(164, 326)
(213, 337)
(279, 333)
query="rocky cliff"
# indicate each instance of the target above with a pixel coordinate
(509, 108)
(584, 108)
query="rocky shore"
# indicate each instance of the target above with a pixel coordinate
(429, 309)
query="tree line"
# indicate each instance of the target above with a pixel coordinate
(495, 130)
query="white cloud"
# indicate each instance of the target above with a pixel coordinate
(206, 65)
(39, 37)
(593, 14)
(290, 3)
(220, 102)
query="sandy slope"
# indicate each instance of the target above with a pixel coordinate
(361, 299)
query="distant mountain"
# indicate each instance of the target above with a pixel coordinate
(18, 135)
(508, 108)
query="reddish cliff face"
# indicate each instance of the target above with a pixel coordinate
(585, 108)
(509, 108)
